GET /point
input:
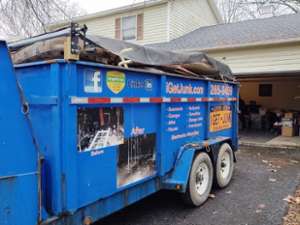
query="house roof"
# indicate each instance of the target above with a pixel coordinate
(246, 33)
(127, 8)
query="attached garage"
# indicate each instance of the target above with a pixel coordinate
(264, 54)
(269, 74)
(272, 68)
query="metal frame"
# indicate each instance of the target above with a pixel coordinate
(74, 31)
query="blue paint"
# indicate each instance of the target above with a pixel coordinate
(181, 169)
(18, 161)
(76, 184)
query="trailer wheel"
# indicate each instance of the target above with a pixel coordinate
(224, 166)
(200, 180)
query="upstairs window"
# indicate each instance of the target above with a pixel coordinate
(129, 28)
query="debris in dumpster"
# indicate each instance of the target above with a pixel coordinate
(120, 53)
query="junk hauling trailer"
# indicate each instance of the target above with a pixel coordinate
(81, 140)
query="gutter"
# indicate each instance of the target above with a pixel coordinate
(271, 74)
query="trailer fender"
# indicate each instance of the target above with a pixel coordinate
(178, 178)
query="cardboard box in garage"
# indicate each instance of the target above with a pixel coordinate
(289, 115)
(288, 128)
(288, 131)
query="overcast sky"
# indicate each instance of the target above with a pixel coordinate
(91, 6)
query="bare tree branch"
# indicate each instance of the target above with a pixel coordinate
(25, 18)
(291, 4)
(237, 10)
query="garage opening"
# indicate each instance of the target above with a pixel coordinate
(270, 109)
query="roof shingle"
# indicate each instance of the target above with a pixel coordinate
(240, 33)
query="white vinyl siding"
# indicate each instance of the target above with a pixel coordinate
(161, 22)
(154, 18)
(155, 24)
(189, 15)
(276, 58)
(104, 26)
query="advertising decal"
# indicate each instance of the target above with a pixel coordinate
(115, 81)
(100, 128)
(92, 81)
(220, 118)
(103, 127)
(136, 159)
(221, 90)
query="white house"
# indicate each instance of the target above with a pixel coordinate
(151, 21)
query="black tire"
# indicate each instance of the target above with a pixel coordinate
(194, 195)
(224, 166)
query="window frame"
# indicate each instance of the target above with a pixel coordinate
(136, 27)
(262, 93)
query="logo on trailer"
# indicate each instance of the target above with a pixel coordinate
(181, 88)
(140, 84)
(92, 81)
(115, 81)
(148, 85)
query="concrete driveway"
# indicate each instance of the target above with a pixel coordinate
(263, 178)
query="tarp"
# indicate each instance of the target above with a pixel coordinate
(120, 53)
(195, 62)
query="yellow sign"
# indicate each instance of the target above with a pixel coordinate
(115, 81)
(220, 120)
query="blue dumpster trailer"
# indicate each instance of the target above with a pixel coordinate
(81, 140)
